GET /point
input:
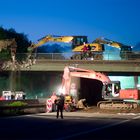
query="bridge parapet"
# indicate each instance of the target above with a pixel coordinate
(132, 66)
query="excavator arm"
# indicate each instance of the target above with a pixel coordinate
(115, 44)
(81, 73)
(50, 38)
(109, 42)
(90, 74)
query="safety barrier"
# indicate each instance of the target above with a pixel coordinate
(107, 55)
(48, 105)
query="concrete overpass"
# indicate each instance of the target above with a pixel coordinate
(120, 66)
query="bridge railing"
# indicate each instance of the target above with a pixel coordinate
(108, 55)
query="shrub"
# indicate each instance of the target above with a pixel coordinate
(17, 103)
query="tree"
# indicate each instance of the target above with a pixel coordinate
(2, 33)
(22, 41)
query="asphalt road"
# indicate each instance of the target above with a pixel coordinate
(74, 126)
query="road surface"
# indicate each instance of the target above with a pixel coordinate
(74, 126)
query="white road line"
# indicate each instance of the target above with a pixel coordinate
(93, 130)
(137, 117)
(132, 114)
(54, 117)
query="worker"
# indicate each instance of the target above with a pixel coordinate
(81, 104)
(85, 50)
(68, 103)
(60, 105)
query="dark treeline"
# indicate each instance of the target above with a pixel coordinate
(22, 41)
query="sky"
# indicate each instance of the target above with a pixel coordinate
(118, 20)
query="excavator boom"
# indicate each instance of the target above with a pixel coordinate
(70, 72)
(50, 38)
(109, 42)
(90, 74)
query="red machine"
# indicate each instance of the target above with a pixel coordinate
(112, 94)
(130, 94)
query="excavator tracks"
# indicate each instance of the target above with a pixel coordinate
(116, 105)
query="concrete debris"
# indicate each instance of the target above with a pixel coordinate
(15, 65)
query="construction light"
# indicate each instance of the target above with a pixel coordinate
(60, 90)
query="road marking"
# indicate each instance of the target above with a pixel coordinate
(137, 117)
(54, 117)
(92, 130)
(132, 114)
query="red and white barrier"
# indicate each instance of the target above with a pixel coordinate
(48, 105)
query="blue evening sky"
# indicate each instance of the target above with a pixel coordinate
(118, 20)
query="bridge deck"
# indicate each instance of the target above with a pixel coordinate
(97, 65)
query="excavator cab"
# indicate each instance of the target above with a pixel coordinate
(79, 40)
(85, 50)
(111, 90)
(125, 52)
(126, 48)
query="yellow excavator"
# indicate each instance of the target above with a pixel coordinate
(96, 48)
(84, 50)
(78, 43)
(125, 50)
(87, 50)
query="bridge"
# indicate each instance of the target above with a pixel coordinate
(117, 66)
(57, 62)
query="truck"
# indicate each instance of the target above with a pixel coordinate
(97, 89)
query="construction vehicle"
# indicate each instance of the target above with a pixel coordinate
(84, 50)
(97, 88)
(125, 50)
(97, 47)
(77, 42)
(69, 104)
